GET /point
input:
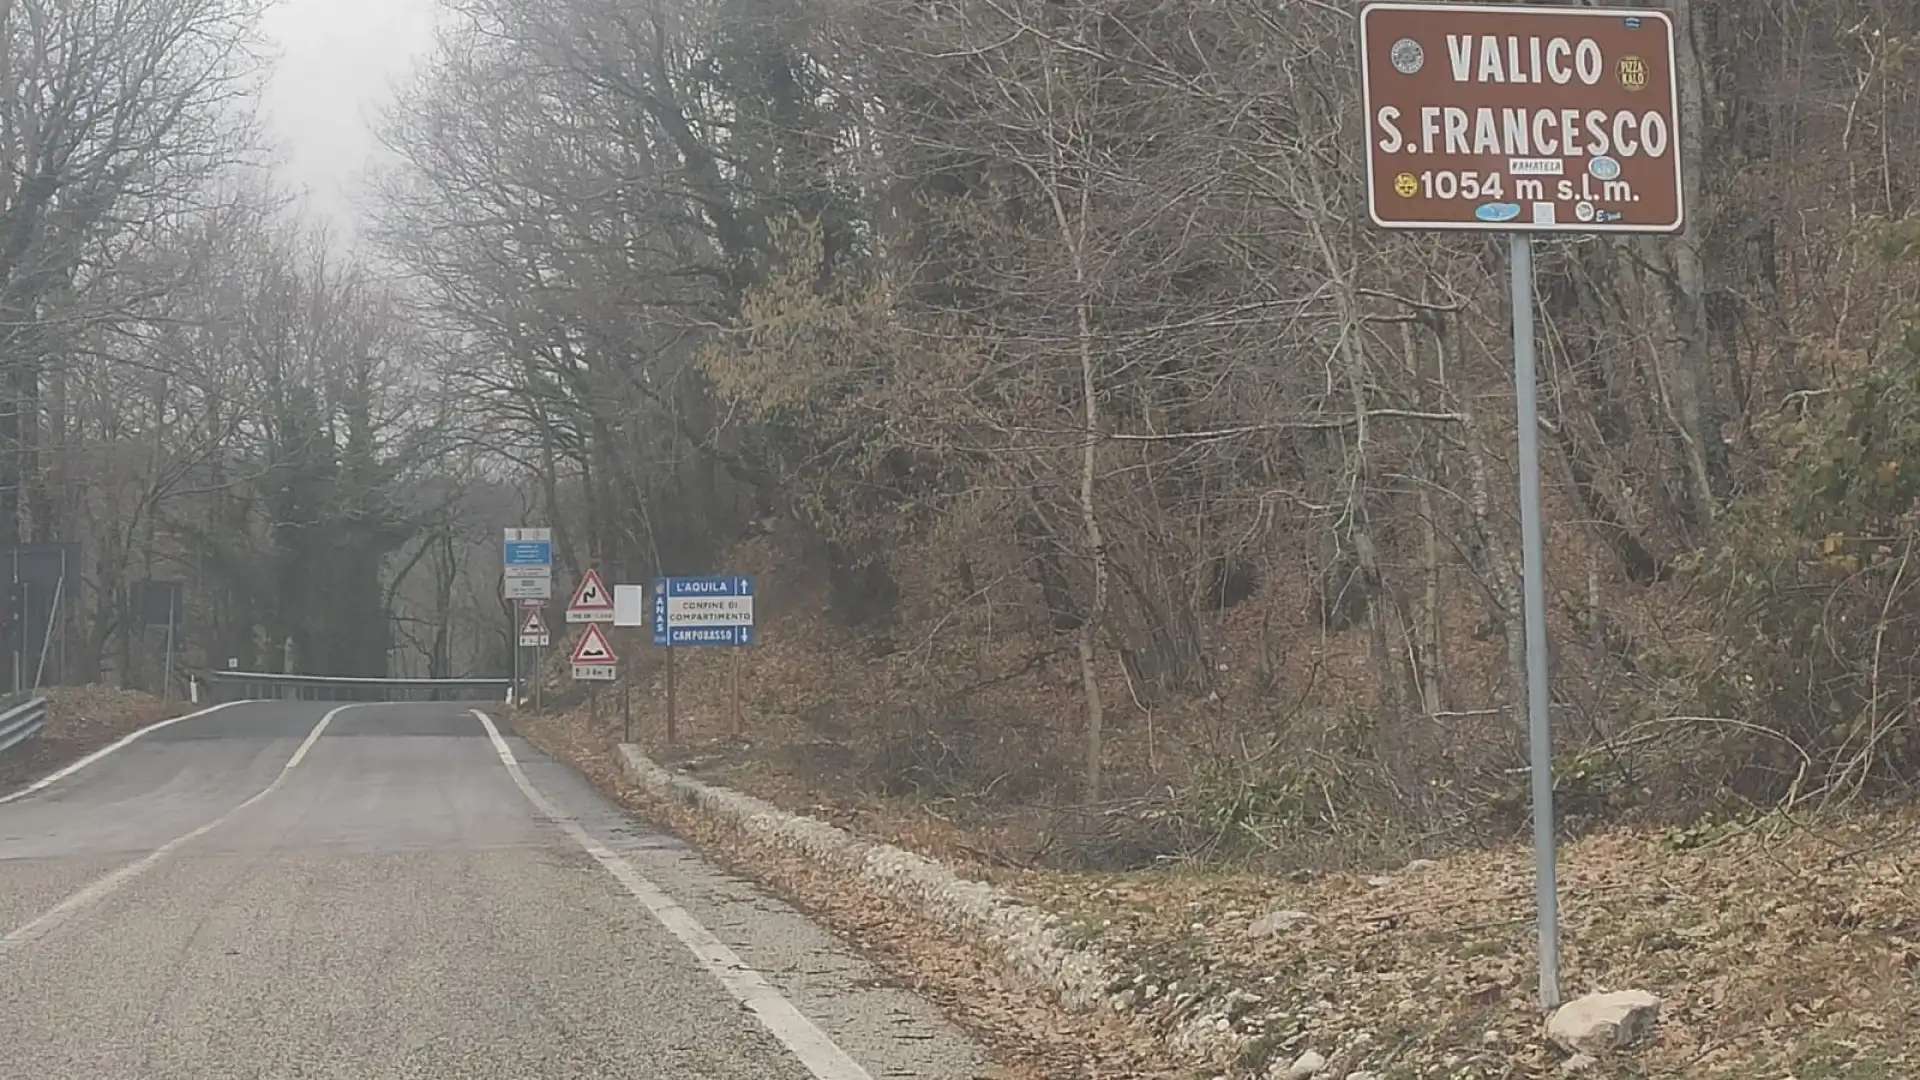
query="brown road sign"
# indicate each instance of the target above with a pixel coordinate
(1537, 118)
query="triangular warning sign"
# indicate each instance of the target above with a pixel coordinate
(534, 623)
(592, 648)
(591, 595)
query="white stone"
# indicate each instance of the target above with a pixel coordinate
(1276, 922)
(1578, 1063)
(1601, 1023)
(1307, 1064)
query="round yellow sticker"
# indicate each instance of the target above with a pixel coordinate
(1406, 185)
(1633, 73)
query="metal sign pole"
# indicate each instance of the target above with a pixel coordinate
(735, 692)
(20, 623)
(670, 702)
(166, 680)
(1533, 570)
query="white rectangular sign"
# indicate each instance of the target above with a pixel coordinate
(594, 672)
(710, 611)
(529, 588)
(629, 605)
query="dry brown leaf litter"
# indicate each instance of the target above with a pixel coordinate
(1784, 952)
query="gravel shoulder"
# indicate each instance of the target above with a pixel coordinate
(1028, 1035)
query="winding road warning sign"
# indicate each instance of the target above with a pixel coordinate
(592, 601)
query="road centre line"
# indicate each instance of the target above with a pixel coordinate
(106, 886)
(47, 781)
(801, 1036)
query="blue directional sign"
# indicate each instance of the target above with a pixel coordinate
(527, 564)
(706, 635)
(530, 553)
(714, 610)
(706, 586)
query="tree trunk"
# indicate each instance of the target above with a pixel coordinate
(1074, 239)
(1692, 383)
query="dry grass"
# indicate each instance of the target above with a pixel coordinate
(1774, 952)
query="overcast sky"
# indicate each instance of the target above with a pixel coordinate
(338, 60)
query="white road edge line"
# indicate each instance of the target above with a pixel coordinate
(822, 1057)
(104, 887)
(48, 781)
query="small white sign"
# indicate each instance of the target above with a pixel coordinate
(594, 672)
(629, 605)
(529, 588)
(710, 611)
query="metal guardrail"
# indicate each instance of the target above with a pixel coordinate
(22, 722)
(225, 686)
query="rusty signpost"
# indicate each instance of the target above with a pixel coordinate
(1522, 120)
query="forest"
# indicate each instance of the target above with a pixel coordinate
(1046, 341)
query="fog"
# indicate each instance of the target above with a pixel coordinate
(338, 62)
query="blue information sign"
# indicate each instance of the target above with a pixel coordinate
(713, 610)
(529, 553)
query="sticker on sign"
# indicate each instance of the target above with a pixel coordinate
(1540, 118)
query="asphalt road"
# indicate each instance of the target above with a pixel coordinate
(403, 891)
